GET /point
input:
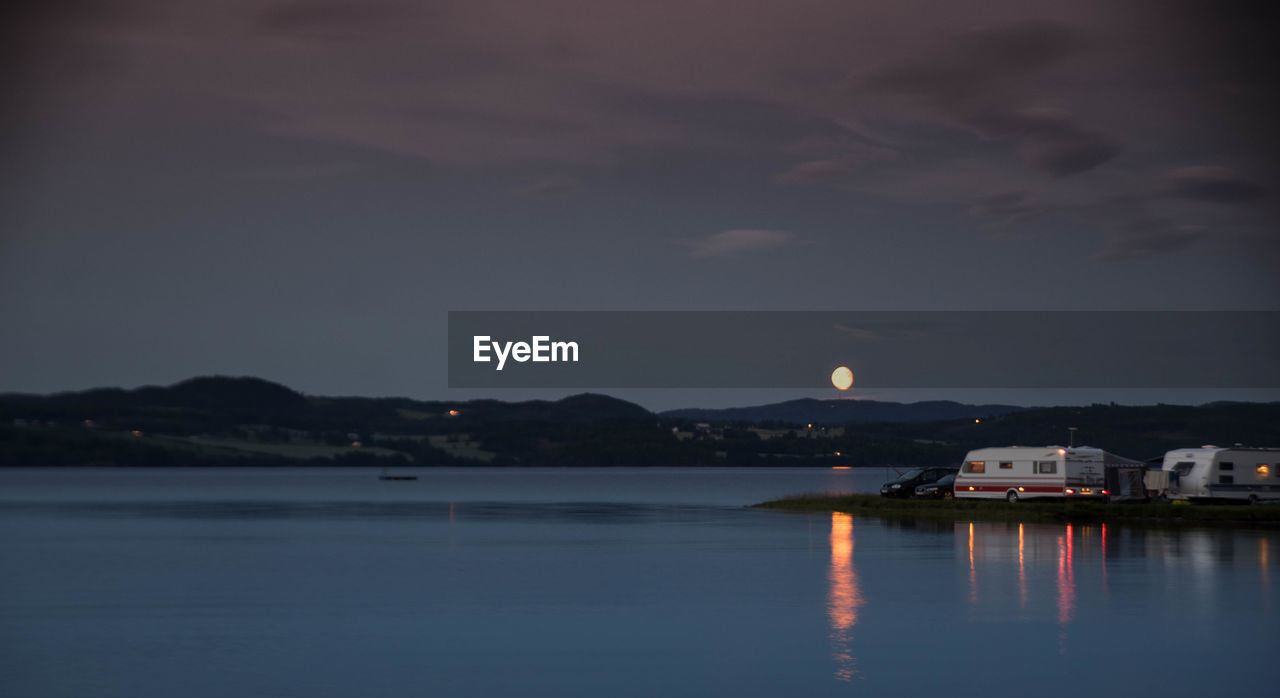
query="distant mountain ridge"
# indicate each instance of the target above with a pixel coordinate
(832, 412)
(224, 422)
(249, 396)
(243, 396)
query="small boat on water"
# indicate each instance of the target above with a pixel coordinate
(388, 476)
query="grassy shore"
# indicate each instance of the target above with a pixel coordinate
(1033, 512)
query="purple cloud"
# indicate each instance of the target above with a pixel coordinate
(733, 242)
(1213, 184)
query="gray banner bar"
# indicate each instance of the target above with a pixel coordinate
(884, 349)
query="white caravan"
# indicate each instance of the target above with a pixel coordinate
(1020, 472)
(1209, 472)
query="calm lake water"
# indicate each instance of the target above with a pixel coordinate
(618, 582)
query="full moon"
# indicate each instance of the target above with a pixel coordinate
(842, 378)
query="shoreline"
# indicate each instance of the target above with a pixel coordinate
(1140, 513)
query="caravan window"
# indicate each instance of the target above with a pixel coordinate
(1047, 467)
(1184, 468)
(975, 466)
(1263, 471)
(1005, 465)
(1226, 479)
(1226, 466)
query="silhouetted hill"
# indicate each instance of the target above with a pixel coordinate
(211, 403)
(586, 407)
(1141, 432)
(832, 412)
(203, 393)
(222, 421)
(221, 392)
(219, 420)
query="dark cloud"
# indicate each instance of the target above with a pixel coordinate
(24, 13)
(1222, 53)
(1063, 157)
(883, 331)
(550, 186)
(1052, 141)
(816, 171)
(1006, 207)
(1059, 147)
(1130, 226)
(838, 157)
(1232, 38)
(980, 81)
(740, 241)
(1213, 184)
(330, 20)
(1149, 238)
(29, 29)
(981, 60)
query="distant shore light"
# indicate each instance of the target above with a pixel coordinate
(842, 378)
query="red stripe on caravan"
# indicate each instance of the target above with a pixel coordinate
(1005, 488)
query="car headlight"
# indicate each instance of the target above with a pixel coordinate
(895, 486)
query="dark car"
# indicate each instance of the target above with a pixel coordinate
(942, 489)
(906, 483)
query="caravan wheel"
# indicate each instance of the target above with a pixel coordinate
(1012, 497)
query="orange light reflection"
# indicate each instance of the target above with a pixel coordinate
(1264, 560)
(1106, 587)
(973, 571)
(845, 598)
(1066, 580)
(1022, 569)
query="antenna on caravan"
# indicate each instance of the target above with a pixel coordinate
(1072, 431)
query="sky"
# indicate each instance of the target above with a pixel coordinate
(302, 190)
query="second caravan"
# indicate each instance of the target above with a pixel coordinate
(1013, 473)
(1210, 473)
